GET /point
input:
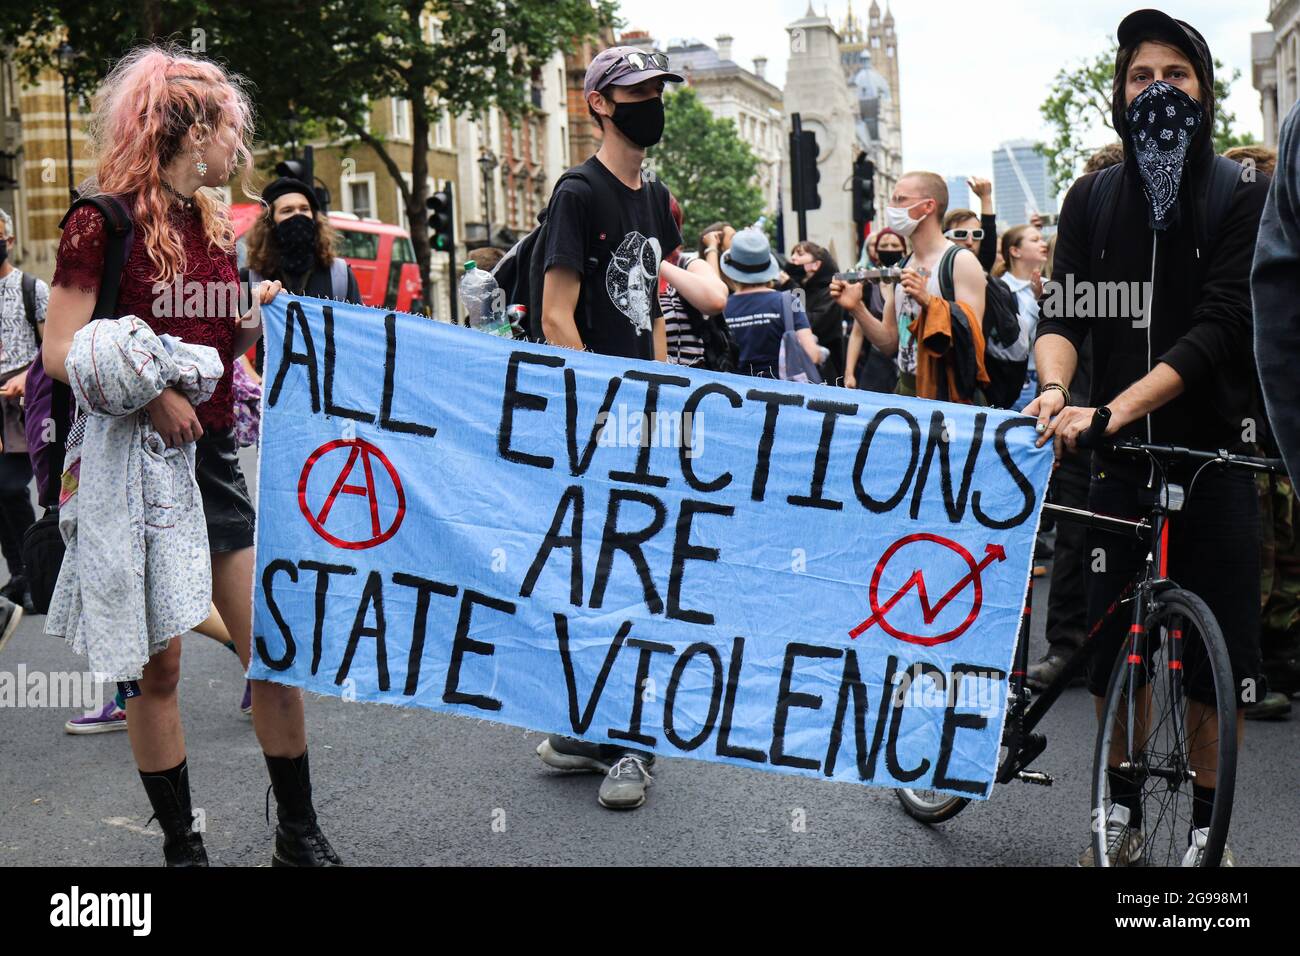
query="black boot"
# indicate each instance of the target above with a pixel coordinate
(169, 792)
(298, 839)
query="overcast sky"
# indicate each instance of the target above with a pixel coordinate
(972, 72)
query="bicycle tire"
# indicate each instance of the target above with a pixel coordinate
(930, 810)
(1185, 610)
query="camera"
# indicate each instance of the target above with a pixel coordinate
(885, 276)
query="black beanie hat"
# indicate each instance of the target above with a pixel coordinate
(286, 184)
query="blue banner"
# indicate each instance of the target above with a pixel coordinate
(793, 578)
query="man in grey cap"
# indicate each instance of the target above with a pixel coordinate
(608, 226)
(608, 230)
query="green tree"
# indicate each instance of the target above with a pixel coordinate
(1079, 113)
(707, 166)
(316, 65)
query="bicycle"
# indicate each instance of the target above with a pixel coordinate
(1143, 729)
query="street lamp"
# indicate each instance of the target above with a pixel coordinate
(67, 56)
(487, 162)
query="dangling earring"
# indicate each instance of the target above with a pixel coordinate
(200, 165)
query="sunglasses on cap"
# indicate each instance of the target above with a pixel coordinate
(639, 61)
(961, 235)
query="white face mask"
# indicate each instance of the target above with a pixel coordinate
(897, 219)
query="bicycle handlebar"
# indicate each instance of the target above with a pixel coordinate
(1094, 439)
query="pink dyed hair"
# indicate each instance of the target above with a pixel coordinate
(144, 110)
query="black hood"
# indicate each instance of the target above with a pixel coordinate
(823, 276)
(1154, 25)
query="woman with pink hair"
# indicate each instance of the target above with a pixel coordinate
(166, 127)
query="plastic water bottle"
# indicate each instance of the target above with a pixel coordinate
(481, 295)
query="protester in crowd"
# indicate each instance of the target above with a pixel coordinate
(814, 269)
(1273, 286)
(1178, 373)
(292, 241)
(867, 257)
(979, 233)
(1014, 379)
(169, 124)
(1257, 157)
(610, 213)
(755, 312)
(485, 257)
(1067, 619)
(1280, 554)
(868, 368)
(23, 300)
(702, 293)
(1109, 155)
(915, 308)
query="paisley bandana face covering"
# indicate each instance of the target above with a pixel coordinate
(1162, 121)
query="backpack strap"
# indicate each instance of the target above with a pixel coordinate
(339, 277)
(28, 285)
(1101, 207)
(1214, 203)
(947, 284)
(787, 310)
(121, 230)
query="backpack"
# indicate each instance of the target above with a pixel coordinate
(28, 286)
(721, 353)
(1211, 207)
(520, 273)
(48, 400)
(1001, 308)
(794, 365)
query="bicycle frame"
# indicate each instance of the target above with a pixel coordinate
(1023, 715)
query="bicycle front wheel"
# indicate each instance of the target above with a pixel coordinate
(1170, 723)
(931, 806)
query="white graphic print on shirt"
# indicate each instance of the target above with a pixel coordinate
(632, 278)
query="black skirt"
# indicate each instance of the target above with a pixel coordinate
(227, 507)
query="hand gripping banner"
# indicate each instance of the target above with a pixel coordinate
(792, 578)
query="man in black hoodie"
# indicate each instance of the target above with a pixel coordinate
(1179, 370)
(1275, 283)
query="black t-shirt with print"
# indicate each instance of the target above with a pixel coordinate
(616, 248)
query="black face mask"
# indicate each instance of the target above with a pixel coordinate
(1162, 122)
(4, 251)
(890, 258)
(643, 122)
(296, 237)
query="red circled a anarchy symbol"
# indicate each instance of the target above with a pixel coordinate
(359, 448)
(929, 612)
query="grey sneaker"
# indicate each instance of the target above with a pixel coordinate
(1043, 672)
(624, 786)
(565, 753)
(10, 616)
(1196, 850)
(1123, 843)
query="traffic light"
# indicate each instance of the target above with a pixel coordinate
(303, 170)
(864, 190)
(803, 159)
(441, 220)
(293, 169)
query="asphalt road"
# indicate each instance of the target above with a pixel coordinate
(407, 787)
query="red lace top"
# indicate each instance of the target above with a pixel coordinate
(80, 265)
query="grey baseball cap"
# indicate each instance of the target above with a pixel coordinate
(612, 67)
